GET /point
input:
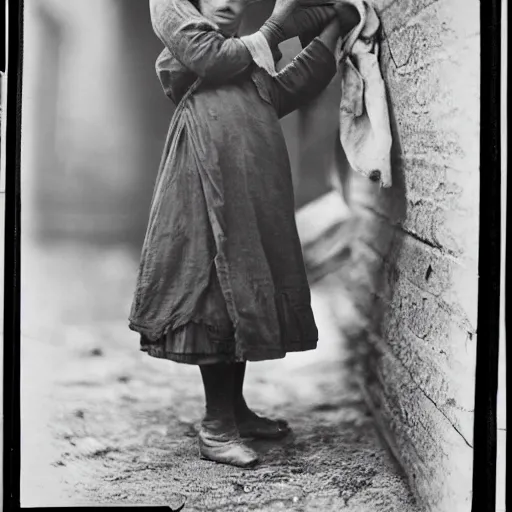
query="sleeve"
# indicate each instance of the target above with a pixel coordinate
(303, 79)
(310, 21)
(196, 42)
(348, 18)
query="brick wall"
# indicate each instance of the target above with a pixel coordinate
(412, 272)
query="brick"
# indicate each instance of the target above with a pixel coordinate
(394, 375)
(397, 13)
(437, 460)
(429, 178)
(436, 103)
(426, 318)
(426, 312)
(446, 379)
(441, 15)
(428, 269)
(425, 120)
(451, 231)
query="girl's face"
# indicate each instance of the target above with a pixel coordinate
(227, 14)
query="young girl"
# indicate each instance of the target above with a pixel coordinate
(222, 279)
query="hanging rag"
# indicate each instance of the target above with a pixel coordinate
(365, 132)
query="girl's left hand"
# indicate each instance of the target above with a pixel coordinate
(348, 16)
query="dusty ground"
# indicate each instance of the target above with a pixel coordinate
(103, 423)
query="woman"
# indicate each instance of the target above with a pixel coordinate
(222, 279)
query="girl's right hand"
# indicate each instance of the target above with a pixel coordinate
(330, 35)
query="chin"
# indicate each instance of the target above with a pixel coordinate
(228, 32)
(227, 28)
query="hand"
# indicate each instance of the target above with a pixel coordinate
(348, 16)
(283, 9)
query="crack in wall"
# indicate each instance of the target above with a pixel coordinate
(381, 342)
(448, 419)
(398, 226)
(435, 246)
(411, 16)
(385, 39)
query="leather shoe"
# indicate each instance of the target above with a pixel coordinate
(225, 448)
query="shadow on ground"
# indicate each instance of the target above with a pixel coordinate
(103, 423)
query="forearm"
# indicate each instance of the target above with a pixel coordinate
(330, 35)
(305, 77)
(346, 13)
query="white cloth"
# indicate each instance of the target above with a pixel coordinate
(365, 132)
(260, 51)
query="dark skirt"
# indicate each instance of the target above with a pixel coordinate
(208, 339)
(200, 341)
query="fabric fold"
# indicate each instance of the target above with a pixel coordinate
(365, 132)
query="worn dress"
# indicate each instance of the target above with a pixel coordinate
(222, 276)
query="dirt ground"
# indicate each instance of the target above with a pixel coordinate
(105, 424)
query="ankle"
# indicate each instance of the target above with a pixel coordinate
(220, 419)
(243, 412)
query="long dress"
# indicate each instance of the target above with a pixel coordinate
(222, 276)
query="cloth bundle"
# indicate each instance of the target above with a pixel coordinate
(365, 132)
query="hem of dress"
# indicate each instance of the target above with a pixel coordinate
(193, 359)
(153, 334)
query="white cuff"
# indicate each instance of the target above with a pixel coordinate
(260, 51)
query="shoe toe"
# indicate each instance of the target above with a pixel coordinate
(226, 451)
